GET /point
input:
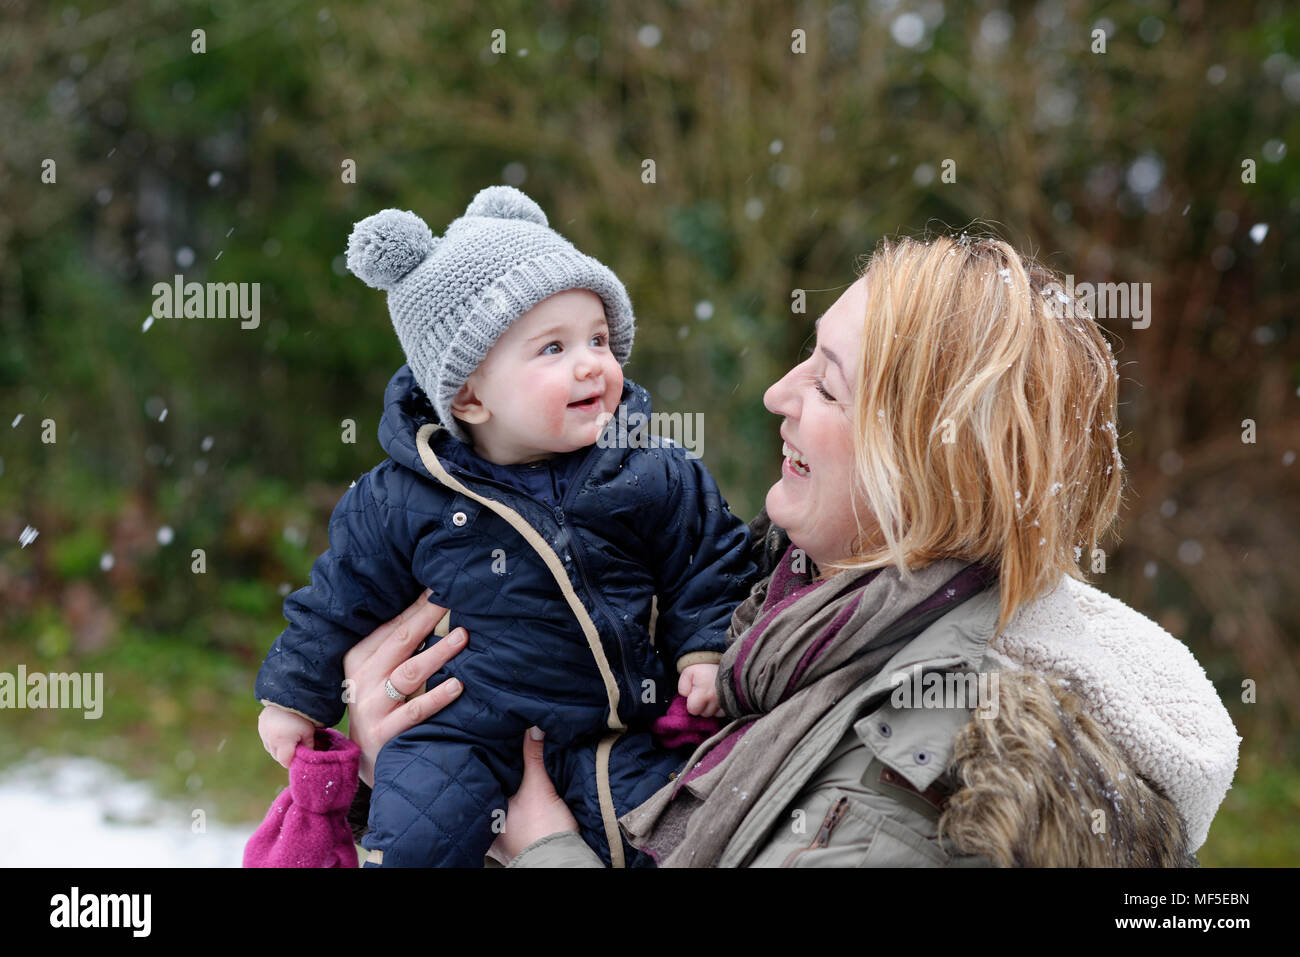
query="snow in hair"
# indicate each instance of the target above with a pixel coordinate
(984, 424)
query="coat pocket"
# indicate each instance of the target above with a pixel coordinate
(451, 547)
(855, 834)
(897, 845)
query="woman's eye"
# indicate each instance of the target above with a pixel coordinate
(547, 351)
(824, 394)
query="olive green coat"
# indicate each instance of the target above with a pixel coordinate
(874, 802)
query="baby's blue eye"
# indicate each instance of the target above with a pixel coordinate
(599, 338)
(546, 351)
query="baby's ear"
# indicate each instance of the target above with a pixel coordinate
(468, 407)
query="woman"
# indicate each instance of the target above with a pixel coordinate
(950, 456)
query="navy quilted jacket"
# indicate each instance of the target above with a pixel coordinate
(634, 523)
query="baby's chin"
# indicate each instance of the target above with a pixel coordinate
(571, 441)
(583, 439)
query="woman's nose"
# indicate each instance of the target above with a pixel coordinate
(777, 398)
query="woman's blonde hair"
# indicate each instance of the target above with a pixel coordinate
(984, 416)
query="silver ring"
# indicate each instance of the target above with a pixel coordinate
(391, 691)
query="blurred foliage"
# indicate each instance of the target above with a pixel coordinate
(774, 171)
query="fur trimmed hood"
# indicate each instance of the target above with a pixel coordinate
(1040, 784)
(1141, 684)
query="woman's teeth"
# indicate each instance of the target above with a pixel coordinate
(797, 463)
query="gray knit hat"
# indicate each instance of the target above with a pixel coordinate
(452, 297)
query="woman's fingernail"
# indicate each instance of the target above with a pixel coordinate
(457, 637)
(453, 687)
(537, 734)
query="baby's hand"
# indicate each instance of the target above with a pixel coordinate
(699, 685)
(282, 731)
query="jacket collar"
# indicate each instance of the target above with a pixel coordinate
(406, 408)
(958, 640)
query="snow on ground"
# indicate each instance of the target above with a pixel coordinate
(79, 812)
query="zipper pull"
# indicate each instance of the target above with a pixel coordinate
(828, 825)
(561, 535)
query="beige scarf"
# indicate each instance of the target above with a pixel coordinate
(795, 648)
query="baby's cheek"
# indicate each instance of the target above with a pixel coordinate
(545, 399)
(613, 385)
(553, 418)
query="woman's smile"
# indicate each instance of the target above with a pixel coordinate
(794, 461)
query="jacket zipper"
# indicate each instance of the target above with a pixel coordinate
(594, 597)
(598, 600)
(823, 833)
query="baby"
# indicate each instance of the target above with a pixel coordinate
(518, 496)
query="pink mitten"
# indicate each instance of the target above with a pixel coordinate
(679, 727)
(307, 825)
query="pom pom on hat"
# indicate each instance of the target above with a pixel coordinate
(505, 202)
(386, 246)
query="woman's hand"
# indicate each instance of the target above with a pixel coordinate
(536, 810)
(374, 717)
